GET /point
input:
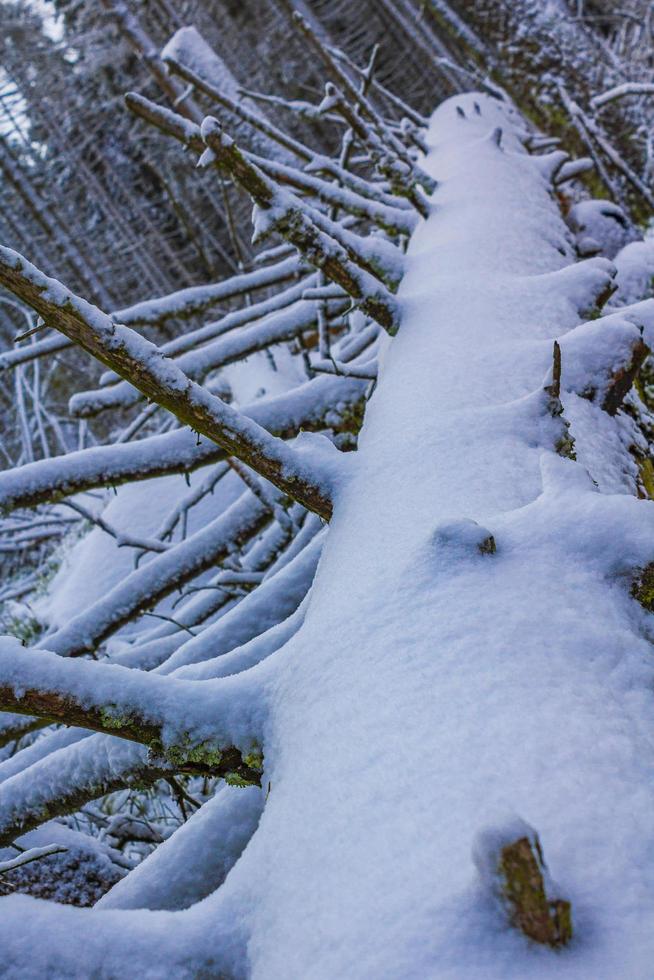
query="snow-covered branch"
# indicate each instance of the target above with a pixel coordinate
(313, 406)
(141, 363)
(620, 91)
(282, 212)
(170, 570)
(257, 335)
(256, 121)
(33, 854)
(70, 777)
(194, 729)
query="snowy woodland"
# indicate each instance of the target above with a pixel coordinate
(327, 489)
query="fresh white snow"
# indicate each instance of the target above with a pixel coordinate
(434, 692)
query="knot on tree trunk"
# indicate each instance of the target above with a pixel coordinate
(463, 537)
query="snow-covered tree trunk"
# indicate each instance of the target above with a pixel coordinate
(440, 688)
(473, 667)
(552, 63)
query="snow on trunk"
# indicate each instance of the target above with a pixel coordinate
(434, 690)
(471, 660)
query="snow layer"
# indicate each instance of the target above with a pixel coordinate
(428, 693)
(95, 565)
(195, 860)
(435, 686)
(635, 264)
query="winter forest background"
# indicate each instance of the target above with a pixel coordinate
(326, 481)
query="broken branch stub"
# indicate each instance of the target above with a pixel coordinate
(521, 872)
(510, 862)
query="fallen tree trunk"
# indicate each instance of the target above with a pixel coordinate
(531, 49)
(466, 674)
(471, 651)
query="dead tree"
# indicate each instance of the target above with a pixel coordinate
(469, 645)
